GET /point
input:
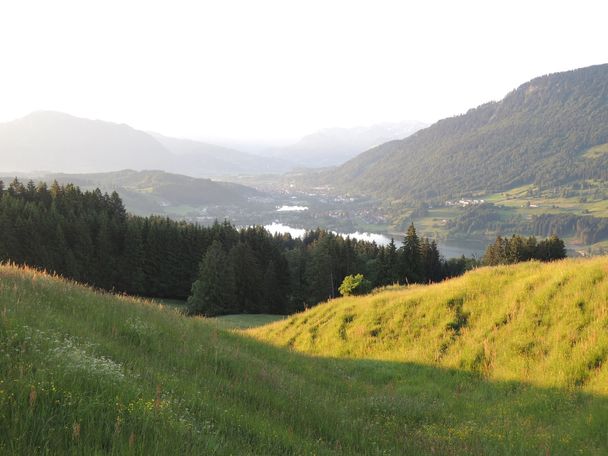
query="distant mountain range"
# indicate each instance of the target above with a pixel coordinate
(57, 142)
(550, 131)
(334, 146)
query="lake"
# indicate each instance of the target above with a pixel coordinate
(292, 208)
(449, 249)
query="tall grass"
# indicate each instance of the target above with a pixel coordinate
(544, 324)
(83, 372)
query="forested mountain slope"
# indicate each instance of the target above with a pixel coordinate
(545, 132)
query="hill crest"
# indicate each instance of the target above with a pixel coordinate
(544, 323)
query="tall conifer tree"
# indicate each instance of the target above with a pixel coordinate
(213, 293)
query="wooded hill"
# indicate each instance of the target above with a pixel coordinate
(551, 130)
(88, 236)
(155, 192)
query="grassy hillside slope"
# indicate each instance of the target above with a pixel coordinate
(540, 323)
(88, 373)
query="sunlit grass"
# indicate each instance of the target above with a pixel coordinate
(596, 151)
(540, 323)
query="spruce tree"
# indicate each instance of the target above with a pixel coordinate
(551, 249)
(425, 260)
(392, 264)
(430, 261)
(214, 291)
(410, 256)
(132, 278)
(105, 259)
(319, 275)
(435, 265)
(298, 286)
(273, 300)
(247, 278)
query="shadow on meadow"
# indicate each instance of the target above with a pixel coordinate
(449, 411)
(83, 372)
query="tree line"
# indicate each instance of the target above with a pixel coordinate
(89, 237)
(317, 265)
(517, 248)
(489, 218)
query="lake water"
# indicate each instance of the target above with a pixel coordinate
(292, 208)
(449, 249)
(279, 228)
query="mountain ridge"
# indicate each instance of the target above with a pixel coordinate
(536, 133)
(60, 142)
(336, 145)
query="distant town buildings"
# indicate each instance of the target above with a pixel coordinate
(465, 202)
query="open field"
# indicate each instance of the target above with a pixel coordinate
(591, 201)
(517, 204)
(83, 372)
(238, 321)
(244, 321)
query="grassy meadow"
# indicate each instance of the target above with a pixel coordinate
(84, 372)
(244, 321)
(544, 324)
(523, 201)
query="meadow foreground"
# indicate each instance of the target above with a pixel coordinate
(84, 372)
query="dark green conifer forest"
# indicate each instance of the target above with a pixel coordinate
(89, 237)
(517, 249)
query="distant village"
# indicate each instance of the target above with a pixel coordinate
(465, 202)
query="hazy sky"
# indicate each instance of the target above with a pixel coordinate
(281, 69)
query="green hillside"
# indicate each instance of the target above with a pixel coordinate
(544, 324)
(82, 372)
(551, 131)
(158, 192)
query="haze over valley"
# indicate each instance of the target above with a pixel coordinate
(462, 180)
(280, 228)
(59, 142)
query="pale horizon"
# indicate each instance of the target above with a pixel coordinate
(275, 71)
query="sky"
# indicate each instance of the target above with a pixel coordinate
(276, 70)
